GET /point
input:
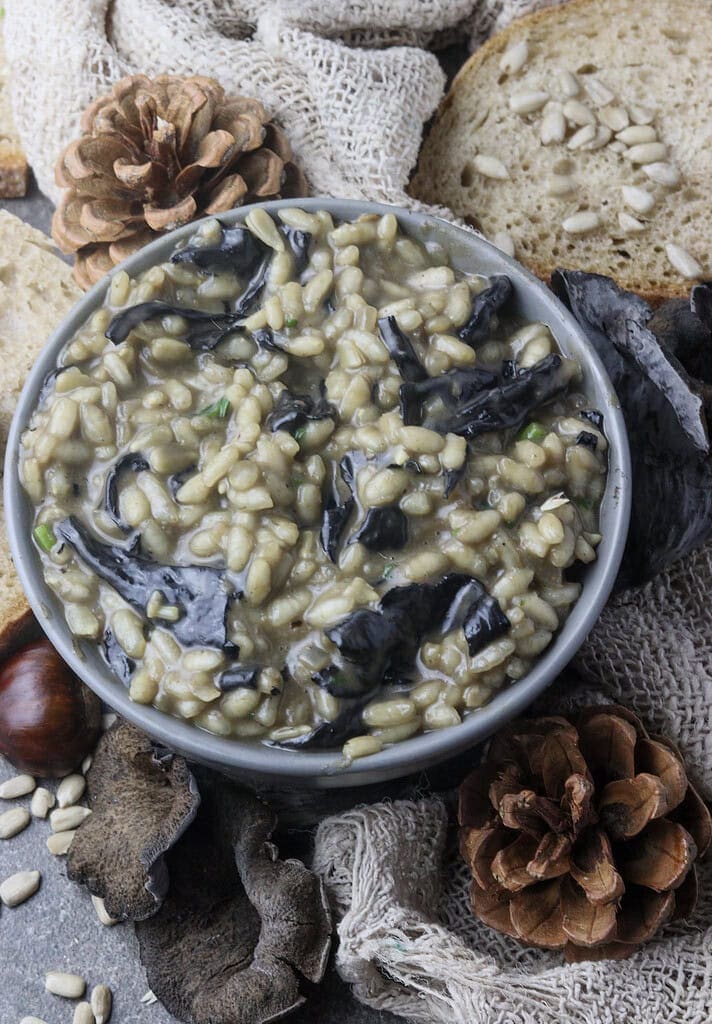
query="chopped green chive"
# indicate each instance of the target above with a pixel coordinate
(291, 321)
(583, 503)
(299, 434)
(389, 569)
(297, 481)
(45, 537)
(532, 432)
(217, 411)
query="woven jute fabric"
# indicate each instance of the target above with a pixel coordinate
(408, 940)
(353, 84)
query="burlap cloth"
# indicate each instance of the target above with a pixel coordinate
(353, 86)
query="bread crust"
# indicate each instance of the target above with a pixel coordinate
(634, 279)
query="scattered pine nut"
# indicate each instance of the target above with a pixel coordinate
(19, 887)
(69, 986)
(42, 802)
(148, 999)
(58, 844)
(683, 261)
(581, 223)
(514, 59)
(14, 821)
(101, 1003)
(67, 818)
(108, 720)
(19, 785)
(86, 764)
(71, 790)
(32, 1020)
(83, 1014)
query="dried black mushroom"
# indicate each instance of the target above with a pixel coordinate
(453, 389)
(587, 440)
(238, 250)
(508, 405)
(141, 805)
(400, 348)
(659, 365)
(205, 332)
(384, 528)
(238, 676)
(240, 931)
(337, 509)
(198, 591)
(116, 657)
(292, 412)
(133, 462)
(298, 242)
(378, 645)
(594, 416)
(484, 306)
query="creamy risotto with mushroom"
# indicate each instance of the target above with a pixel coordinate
(307, 484)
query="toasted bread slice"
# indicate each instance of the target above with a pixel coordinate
(36, 291)
(645, 66)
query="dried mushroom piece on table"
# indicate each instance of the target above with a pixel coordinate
(582, 835)
(141, 803)
(239, 928)
(660, 364)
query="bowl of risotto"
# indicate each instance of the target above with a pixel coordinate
(320, 492)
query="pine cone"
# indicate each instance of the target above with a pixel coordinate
(155, 154)
(582, 837)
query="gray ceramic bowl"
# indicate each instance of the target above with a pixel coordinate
(268, 766)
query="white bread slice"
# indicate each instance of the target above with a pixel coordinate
(36, 291)
(13, 163)
(654, 54)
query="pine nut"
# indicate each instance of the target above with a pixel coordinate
(599, 93)
(490, 167)
(662, 174)
(14, 821)
(440, 716)
(647, 153)
(32, 1020)
(101, 1002)
(683, 261)
(19, 887)
(261, 224)
(581, 223)
(389, 712)
(568, 84)
(640, 114)
(578, 113)
(514, 59)
(58, 844)
(68, 986)
(83, 1014)
(615, 118)
(68, 818)
(637, 134)
(42, 802)
(527, 102)
(362, 746)
(630, 224)
(638, 199)
(71, 788)
(582, 137)
(18, 785)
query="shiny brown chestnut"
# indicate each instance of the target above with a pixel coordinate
(49, 721)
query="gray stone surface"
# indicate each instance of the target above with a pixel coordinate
(58, 929)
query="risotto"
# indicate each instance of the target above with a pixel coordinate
(305, 483)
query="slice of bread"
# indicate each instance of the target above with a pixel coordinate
(654, 56)
(36, 291)
(13, 163)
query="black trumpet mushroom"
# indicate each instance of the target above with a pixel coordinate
(484, 307)
(660, 364)
(197, 590)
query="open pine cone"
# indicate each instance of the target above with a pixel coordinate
(157, 153)
(582, 837)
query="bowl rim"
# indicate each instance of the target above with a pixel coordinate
(261, 760)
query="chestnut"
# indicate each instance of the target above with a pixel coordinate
(49, 720)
